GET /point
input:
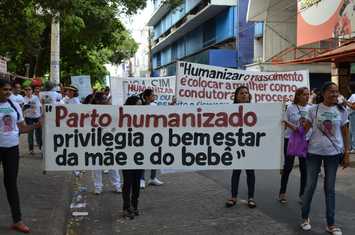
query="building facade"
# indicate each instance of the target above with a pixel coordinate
(275, 41)
(200, 31)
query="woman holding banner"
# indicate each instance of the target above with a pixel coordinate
(131, 179)
(328, 144)
(11, 124)
(295, 116)
(148, 97)
(100, 99)
(242, 95)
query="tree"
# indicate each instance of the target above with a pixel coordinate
(91, 34)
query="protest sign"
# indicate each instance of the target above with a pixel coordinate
(198, 84)
(88, 137)
(83, 83)
(116, 85)
(163, 87)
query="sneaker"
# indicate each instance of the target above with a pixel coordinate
(142, 184)
(155, 182)
(306, 226)
(76, 173)
(118, 189)
(20, 227)
(97, 191)
(105, 171)
(32, 152)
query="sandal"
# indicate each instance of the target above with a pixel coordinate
(231, 203)
(334, 230)
(20, 227)
(251, 203)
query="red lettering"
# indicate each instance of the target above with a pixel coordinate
(104, 122)
(60, 113)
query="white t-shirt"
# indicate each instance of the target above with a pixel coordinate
(17, 98)
(9, 132)
(327, 121)
(34, 109)
(67, 100)
(295, 114)
(50, 97)
(351, 100)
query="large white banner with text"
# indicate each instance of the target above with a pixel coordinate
(198, 84)
(230, 136)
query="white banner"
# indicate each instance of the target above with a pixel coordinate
(117, 91)
(83, 83)
(163, 87)
(230, 136)
(198, 84)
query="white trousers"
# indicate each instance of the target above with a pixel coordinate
(114, 178)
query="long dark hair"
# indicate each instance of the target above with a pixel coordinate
(98, 98)
(4, 82)
(236, 93)
(132, 100)
(320, 96)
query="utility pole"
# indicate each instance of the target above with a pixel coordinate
(55, 50)
(150, 64)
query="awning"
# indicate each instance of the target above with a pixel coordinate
(343, 53)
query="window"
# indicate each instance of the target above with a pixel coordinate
(209, 33)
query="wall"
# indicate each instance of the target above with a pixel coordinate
(279, 30)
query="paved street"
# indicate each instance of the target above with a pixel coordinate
(193, 203)
(188, 203)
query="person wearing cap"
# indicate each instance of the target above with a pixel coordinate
(71, 95)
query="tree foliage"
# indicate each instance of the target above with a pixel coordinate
(91, 34)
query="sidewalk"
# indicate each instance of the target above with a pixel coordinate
(44, 198)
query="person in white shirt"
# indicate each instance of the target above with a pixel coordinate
(71, 97)
(16, 96)
(99, 98)
(351, 104)
(32, 113)
(295, 114)
(11, 124)
(328, 144)
(50, 95)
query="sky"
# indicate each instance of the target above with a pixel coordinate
(134, 24)
(137, 22)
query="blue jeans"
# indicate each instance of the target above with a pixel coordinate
(352, 129)
(314, 163)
